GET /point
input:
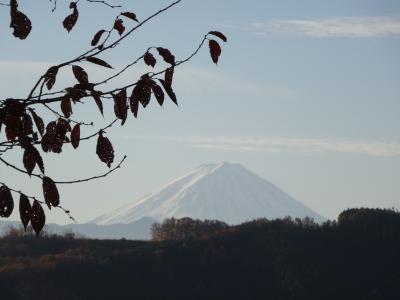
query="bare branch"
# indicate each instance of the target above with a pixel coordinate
(66, 211)
(94, 177)
(104, 2)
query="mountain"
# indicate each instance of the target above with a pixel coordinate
(137, 230)
(223, 191)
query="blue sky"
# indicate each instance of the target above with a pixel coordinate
(306, 95)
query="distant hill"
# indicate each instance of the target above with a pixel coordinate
(356, 258)
(224, 191)
(137, 230)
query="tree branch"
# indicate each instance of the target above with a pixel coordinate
(66, 211)
(94, 177)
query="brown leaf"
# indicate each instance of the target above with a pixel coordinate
(119, 26)
(27, 125)
(25, 210)
(62, 127)
(218, 34)
(6, 202)
(141, 92)
(169, 75)
(97, 99)
(166, 55)
(98, 61)
(97, 37)
(66, 107)
(76, 93)
(19, 22)
(149, 59)
(29, 161)
(14, 126)
(215, 50)
(50, 192)
(80, 74)
(76, 136)
(38, 121)
(169, 91)
(70, 21)
(15, 107)
(55, 134)
(50, 77)
(130, 15)
(134, 106)
(158, 92)
(38, 218)
(104, 150)
(121, 106)
(38, 159)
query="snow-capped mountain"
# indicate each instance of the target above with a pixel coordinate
(223, 191)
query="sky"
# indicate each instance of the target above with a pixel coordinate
(306, 94)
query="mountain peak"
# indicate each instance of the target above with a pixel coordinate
(224, 191)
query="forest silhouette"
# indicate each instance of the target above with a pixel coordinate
(355, 257)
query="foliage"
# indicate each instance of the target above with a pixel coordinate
(22, 120)
(261, 259)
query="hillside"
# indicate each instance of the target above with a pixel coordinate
(356, 258)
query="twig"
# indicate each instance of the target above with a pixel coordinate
(104, 2)
(94, 177)
(66, 182)
(66, 211)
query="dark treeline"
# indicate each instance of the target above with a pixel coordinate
(186, 228)
(357, 257)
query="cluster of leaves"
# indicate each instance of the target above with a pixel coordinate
(25, 128)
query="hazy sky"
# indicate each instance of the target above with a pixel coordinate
(306, 95)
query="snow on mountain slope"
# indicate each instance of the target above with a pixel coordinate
(223, 191)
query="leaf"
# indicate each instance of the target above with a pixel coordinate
(98, 61)
(25, 210)
(130, 15)
(77, 92)
(38, 159)
(97, 37)
(80, 74)
(50, 192)
(38, 218)
(158, 93)
(104, 150)
(14, 126)
(219, 34)
(6, 202)
(169, 75)
(119, 26)
(29, 161)
(166, 55)
(121, 106)
(70, 21)
(169, 91)
(27, 125)
(215, 50)
(97, 99)
(141, 92)
(50, 77)
(149, 59)
(19, 22)
(3, 113)
(32, 158)
(76, 136)
(134, 106)
(38, 121)
(66, 107)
